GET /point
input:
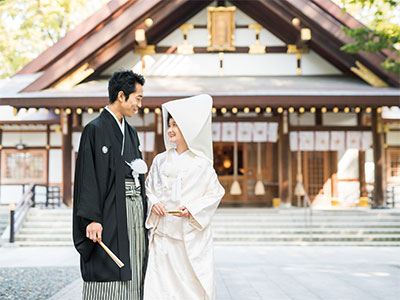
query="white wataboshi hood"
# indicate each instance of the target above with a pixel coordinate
(193, 117)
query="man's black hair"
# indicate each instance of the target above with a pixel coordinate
(124, 81)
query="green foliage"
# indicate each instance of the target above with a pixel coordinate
(382, 31)
(29, 27)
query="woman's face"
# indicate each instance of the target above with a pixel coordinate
(174, 133)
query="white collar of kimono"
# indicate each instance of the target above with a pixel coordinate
(177, 155)
(121, 126)
(193, 117)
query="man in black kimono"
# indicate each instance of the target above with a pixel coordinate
(103, 210)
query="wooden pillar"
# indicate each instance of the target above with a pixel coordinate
(48, 132)
(378, 142)
(1, 148)
(284, 164)
(334, 170)
(318, 117)
(66, 125)
(76, 120)
(361, 174)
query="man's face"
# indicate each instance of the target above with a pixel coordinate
(134, 102)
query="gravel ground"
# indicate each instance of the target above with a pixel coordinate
(35, 283)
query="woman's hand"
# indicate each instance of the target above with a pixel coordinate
(93, 231)
(159, 209)
(184, 214)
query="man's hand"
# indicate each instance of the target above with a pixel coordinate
(93, 231)
(184, 214)
(159, 209)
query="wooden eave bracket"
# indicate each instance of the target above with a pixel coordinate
(75, 77)
(367, 75)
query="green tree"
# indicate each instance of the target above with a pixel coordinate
(382, 31)
(28, 27)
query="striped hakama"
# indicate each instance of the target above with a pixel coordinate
(132, 289)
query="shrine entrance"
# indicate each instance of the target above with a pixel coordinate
(257, 162)
(319, 170)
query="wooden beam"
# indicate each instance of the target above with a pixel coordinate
(345, 19)
(330, 128)
(379, 160)
(317, 19)
(76, 36)
(32, 122)
(48, 133)
(73, 59)
(66, 125)
(228, 101)
(173, 14)
(271, 17)
(272, 49)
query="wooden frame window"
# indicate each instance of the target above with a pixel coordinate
(393, 165)
(23, 166)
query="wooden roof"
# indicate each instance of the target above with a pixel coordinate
(236, 91)
(109, 34)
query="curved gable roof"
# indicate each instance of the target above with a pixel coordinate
(109, 33)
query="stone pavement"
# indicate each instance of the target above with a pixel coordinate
(255, 273)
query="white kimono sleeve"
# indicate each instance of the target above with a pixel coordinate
(203, 209)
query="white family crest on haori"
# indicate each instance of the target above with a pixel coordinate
(138, 166)
(193, 116)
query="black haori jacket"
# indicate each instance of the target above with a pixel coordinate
(99, 195)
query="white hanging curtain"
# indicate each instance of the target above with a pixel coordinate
(353, 140)
(272, 132)
(337, 140)
(141, 140)
(366, 140)
(149, 139)
(260, 132)
(306, 140)
(245, 131)
(293, 140)
(229, 132)
(216, 132)
(322, 140)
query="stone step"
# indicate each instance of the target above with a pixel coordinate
(230, 231)
(315, 237)
(49, 218)
(253, 226)
(54, 211)
(44, 244)
(304, 225)
(52, 230)
(4, 219)
(296, 244)
(299, 220)
(294, 212)
(236, 243)
(47, 224)
(44, 237)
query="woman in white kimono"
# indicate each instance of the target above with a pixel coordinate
(183, 193)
